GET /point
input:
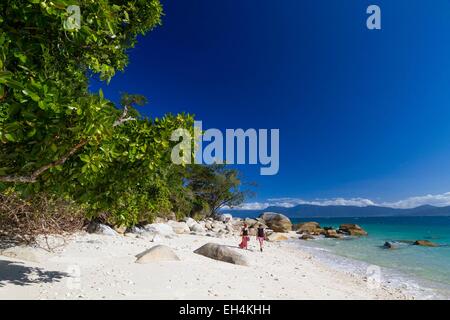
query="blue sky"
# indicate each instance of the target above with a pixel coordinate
(362, 113)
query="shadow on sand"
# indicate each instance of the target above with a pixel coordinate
(18, 274)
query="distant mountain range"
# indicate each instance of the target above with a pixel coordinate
(314, 211)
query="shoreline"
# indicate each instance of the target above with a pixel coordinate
(93, 266)
(418, 287)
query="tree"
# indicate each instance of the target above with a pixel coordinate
(58, 137)
(60, 140)
(47, 114)
(215, 186)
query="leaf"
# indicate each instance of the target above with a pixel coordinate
(31, 133)
(85, 158)
(21, 57)
(31, 94)
(10, 137)
(14, 84)
(5, 74)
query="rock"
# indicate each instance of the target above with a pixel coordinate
(319, 231)
(229, 227)
(276, 236)
(390, 245)
(157, 253)
(25, 253)
(218, 225)
(160, 220)
(352, 229)
(307, 227)
(250, 222)
(179, 227)
(120, 229)
(100, 228)
(306, 237)
(156, 238)
(159, 228)
(137, 230)
(277, 222)
(425, 243)
(198, 228)
(331, 233)
(172, 216)
(131, 235)
(208, 225)
(225, 217)
(221, 253)
(190, 222)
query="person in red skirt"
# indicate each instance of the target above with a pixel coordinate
(245, 237)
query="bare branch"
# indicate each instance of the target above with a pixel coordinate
(123, 118)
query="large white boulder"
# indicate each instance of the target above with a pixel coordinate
(277, 236)
(221, 253)
(277, 222)
(160, 228)
(179, 227)
(198, 228)
(157, 253)
(190, 222)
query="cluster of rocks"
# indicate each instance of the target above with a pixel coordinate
(309, 230)
(277, 226)
(398, 244)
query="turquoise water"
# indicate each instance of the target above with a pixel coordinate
(427, 267)
(431, 264)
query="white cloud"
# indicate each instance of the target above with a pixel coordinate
(290, 202)
(438, 200)
(250, 206)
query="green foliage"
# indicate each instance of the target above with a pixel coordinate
(46, 107)
(60, 139)
(213, 187)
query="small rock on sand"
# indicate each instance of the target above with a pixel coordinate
(100, 228)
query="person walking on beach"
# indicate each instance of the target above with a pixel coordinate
(245, 237)
(260, 236)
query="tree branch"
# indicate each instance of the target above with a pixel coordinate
(33, 176)
(123, 118)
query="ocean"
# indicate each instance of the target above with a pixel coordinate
(423, 271)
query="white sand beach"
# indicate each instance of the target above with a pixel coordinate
(97, 266)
